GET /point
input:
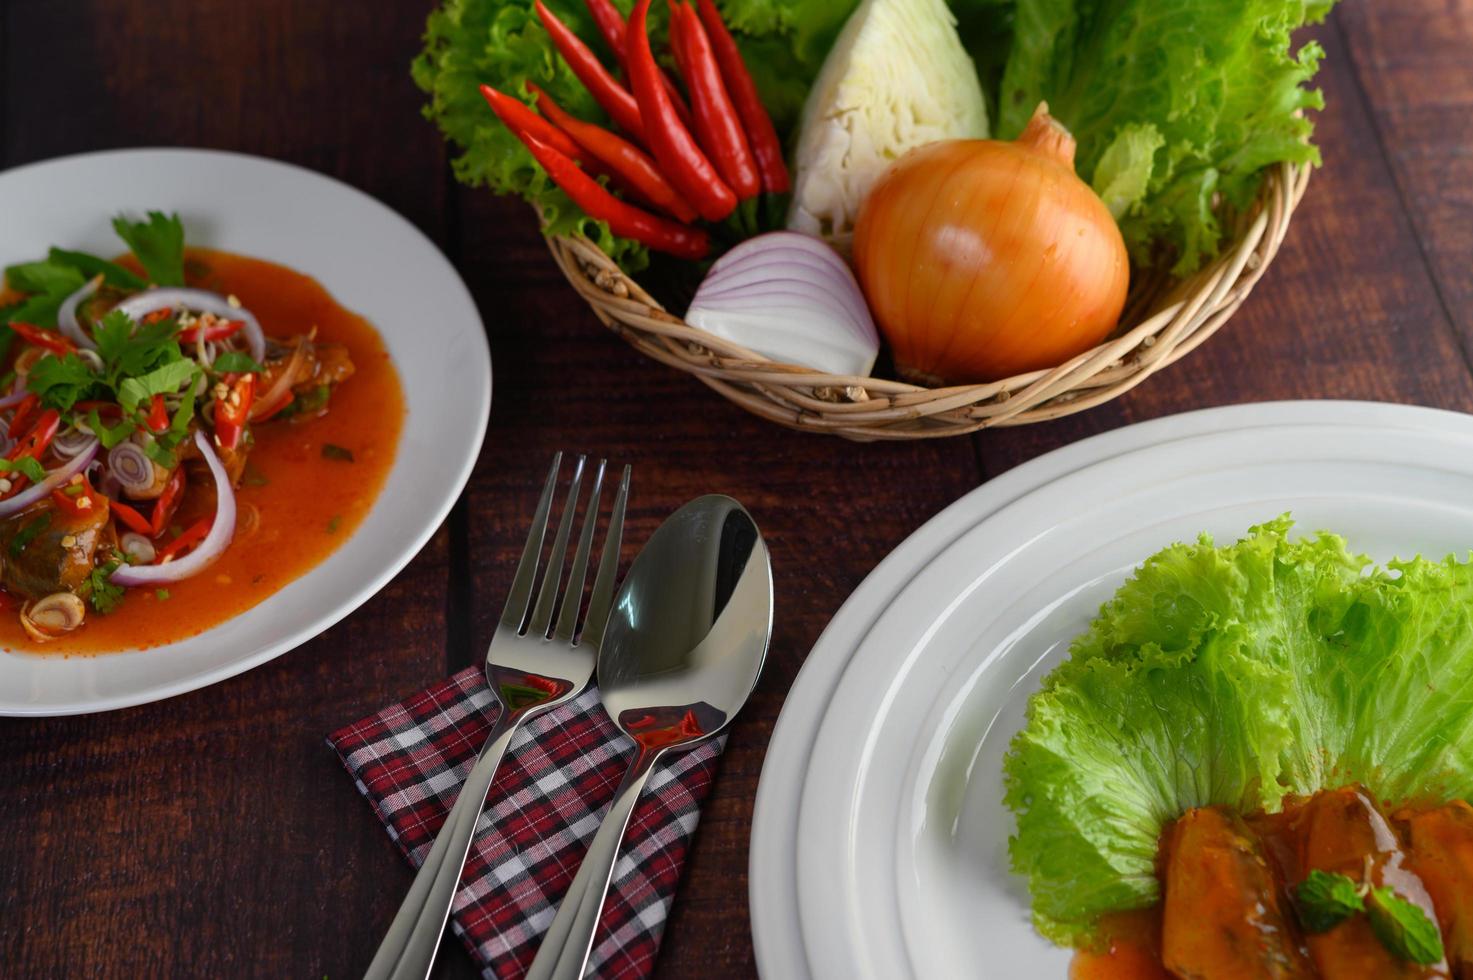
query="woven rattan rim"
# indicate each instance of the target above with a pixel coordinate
(1163, 322)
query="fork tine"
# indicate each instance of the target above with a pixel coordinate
(520, 596)
(551, 581)
(567, 620)
(608, 570)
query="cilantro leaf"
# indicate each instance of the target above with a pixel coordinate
(108, 435)
(236, 362)
(338, 453)
(165, 380)
(160, 454)
(1325, 900)
(102, 593)
(1403, 927)
(44, 277)
(61, 382)
(91, 265)
(150, 346)
(111, 334)
(158, 243)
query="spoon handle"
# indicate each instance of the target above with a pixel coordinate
(569, 940)
(408, 949)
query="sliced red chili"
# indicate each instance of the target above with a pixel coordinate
(39, 436)
(188, 538)
(77, 498)
(168, 502)
(136, 522)
(219, 330)
(233, 409)
(22, 416)
(41, 337)
(158, 415)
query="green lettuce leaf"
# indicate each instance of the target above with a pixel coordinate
(1220, 84)
(1236, 675)
(502, 43)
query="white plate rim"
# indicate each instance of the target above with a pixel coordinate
(436, 510)
(774, 906)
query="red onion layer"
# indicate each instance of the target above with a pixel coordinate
(222, 530)
(54, 479)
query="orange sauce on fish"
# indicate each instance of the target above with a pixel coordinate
(1130, 950)
(308, 504)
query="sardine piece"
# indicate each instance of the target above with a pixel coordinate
(1222, 918)
(1440, 851)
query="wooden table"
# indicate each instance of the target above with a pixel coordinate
(215, 835)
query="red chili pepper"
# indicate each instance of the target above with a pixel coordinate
(264, 413)
(22, 416)
(41, 337)
(520, 119)
(218, 330)
(605, 89)
(158, 414)
(766, 148)
(188, 538)
(680, 158)
(631, 164)
(718, 127)
(135, 521)
(37, 439)
(233, 410)
(624, 219)
(157, 315)
(164, 507)
(76, 498)
(101, 407)
(611, 25)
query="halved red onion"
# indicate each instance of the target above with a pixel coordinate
(202, 301)
(66, 314)
(54, 479)
(793, 299)
(222, 530)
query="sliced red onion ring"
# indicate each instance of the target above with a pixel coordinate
(72, 442)
(66, 314)
(140, 306)
(17, 395)
(130, 466)
(54, 479)
(214, 544)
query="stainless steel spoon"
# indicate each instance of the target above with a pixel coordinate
(681, 653)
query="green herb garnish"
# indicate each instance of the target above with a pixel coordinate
(165, 380)
(1403, 927)
(158, 243)
(330, 451)
(104, 595)
(161, 594)
(1325, 900)
(253, 476)
(28, 532)
(90, 265)
(236, 362)
(334, 523)
(28, 465)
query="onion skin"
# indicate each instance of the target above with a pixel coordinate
(984, 259)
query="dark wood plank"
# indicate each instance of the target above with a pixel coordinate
(1347, 310)
(215, 834)
(1412, 64)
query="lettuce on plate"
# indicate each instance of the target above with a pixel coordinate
(1235, 675)
(1176, 104)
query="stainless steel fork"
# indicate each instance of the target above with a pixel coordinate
(531, 667)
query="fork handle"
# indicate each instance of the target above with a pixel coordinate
(408, 948)
(569, 940)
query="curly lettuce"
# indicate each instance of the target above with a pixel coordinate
(503, 44)
(1177, 105)
(1236, 675)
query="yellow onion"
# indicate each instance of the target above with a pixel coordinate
(982, 259)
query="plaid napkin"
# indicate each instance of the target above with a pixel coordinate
(556, 781)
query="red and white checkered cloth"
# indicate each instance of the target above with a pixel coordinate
(553, 787)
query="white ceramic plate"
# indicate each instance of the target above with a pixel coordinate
(879, 840)
(373, 262)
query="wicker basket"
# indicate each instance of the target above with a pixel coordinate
(1162, 322)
